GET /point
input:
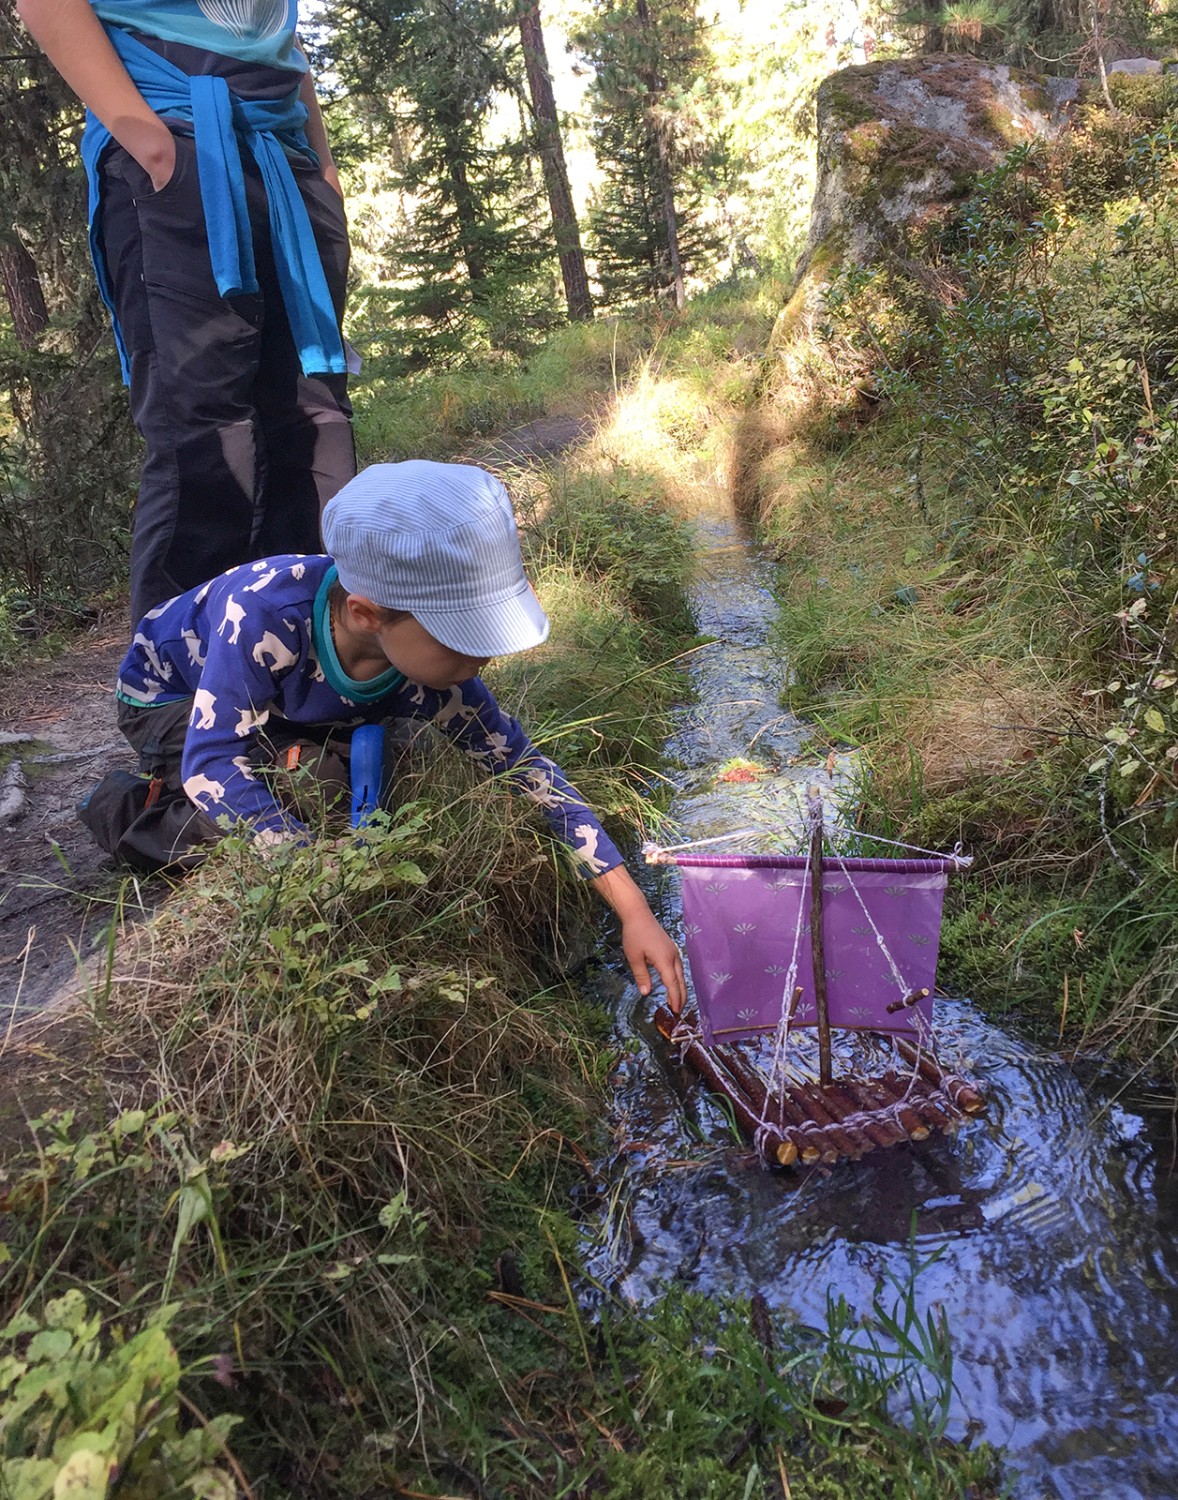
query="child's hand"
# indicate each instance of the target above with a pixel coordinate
(644, 942)
(646, 946)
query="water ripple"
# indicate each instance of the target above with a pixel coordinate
(1055, 1214)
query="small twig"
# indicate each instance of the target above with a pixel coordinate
(242, 1481)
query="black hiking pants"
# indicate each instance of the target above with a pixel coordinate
(243, 449)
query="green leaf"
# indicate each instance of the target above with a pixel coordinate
(50, 1343)
(68, 1311)
(394, 1211)
(212, 1484)
(410, 873)
(84, 1476)
(29, 1478)
(1154, 721)
(130, 1122)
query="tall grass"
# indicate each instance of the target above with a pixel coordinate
(974, 500)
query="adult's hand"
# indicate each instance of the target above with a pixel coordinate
(73, 39)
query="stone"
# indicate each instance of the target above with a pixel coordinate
(900, 140)
(1135, 66)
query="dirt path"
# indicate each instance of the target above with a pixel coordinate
(57, 724)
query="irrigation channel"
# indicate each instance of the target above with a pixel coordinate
(1056, 1214)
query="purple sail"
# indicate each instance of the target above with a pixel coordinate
(740, 916)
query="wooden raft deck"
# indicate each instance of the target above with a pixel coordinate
(814, 1123)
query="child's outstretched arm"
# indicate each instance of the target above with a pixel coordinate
(471, 717)
(644, 942)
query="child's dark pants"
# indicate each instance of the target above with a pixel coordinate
(151, 825)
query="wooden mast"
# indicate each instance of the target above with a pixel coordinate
(817, 947)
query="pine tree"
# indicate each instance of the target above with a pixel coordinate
(472, 257)
(649, 129)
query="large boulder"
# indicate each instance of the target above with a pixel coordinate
(900, 140)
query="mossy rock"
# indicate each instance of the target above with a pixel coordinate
(901, 139)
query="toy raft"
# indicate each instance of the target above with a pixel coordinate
(780, 944)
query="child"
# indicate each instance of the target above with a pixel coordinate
(221, 249)
(424, 585)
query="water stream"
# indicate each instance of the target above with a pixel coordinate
(1056, 1213)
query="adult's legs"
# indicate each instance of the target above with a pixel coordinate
(194, 358)
(306, 421)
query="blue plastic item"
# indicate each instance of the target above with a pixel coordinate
(367, 770)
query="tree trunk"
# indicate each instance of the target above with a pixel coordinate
(672, 219)
(466, 213)
(666, 180)
(556, 177)
(22, 289)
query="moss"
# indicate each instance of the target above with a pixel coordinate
(818, 267)
(848, 98)
(890, 160)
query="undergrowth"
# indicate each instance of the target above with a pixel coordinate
(292, 1212)
(972, 485)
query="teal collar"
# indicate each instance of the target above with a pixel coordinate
(370, 691)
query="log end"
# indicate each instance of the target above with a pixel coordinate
(787, 1154)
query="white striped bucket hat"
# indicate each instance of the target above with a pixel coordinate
(439, 541)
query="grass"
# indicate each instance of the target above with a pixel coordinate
(964, 465)
(318, 1123)
(437, 414)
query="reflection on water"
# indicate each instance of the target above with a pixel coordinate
(1055, 1214)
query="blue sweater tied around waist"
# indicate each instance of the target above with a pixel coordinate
(265, 127)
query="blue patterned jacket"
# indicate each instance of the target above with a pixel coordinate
(256, 642)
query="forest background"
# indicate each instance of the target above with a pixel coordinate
(963, 453)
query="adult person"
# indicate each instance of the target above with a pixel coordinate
(220, 246)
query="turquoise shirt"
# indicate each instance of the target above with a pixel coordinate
(257, 31)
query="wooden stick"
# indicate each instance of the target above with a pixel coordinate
(840, 1095)
(752, 1085)
(697, 1056)
(850, 1139)
(771, 1026)
(772, 1104)
(817, 945)
(964, 1094)
(749, 1080)
(934, 1109)
(875, 1093)
(913, 999)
